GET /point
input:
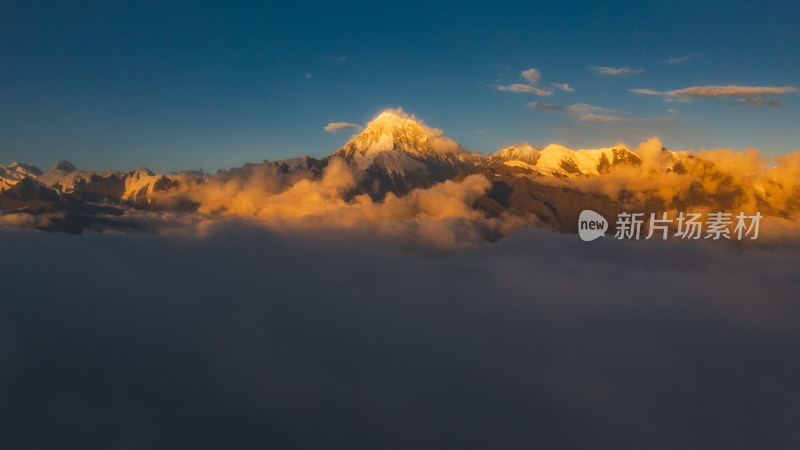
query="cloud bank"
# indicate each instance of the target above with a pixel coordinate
(439, 217)
(444, 216)
(708, 181)
(338, 341)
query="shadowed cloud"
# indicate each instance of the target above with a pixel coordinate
(340, 341)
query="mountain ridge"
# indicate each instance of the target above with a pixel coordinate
(397, 154)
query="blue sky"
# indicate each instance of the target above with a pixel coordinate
(184, 85)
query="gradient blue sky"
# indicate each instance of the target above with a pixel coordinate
(184, 85)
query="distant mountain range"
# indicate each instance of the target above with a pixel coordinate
(397, 154)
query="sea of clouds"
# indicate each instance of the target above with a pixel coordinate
(247, 337)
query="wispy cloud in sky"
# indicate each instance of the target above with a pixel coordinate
(519, 87)
(562, 87)
(755, 95)
(547, 106)
(646, 91)
(336, 58)
(333, 127)
(759, 101)
(583, 111)
(591, 113)
(532, 77)
(614, 71)
(684, 58)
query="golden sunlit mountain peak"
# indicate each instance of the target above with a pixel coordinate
(393, 129)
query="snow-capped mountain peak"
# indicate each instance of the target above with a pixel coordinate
(389, 131)
(64, 166)
(59, 172)
(403, 153)
(26, 169)
(14, 172)
(524, 152)
(561, 161)
(394, 130)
